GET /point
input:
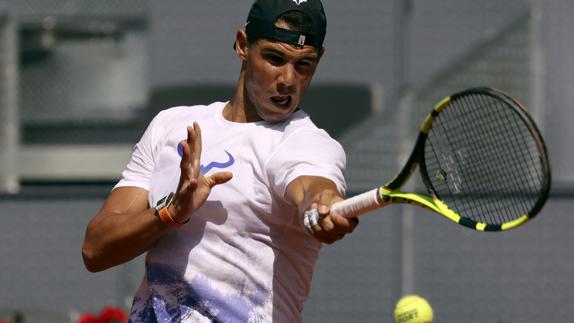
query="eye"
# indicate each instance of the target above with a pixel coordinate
(305, 64)
(274, 59)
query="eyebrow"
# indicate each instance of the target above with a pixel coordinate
(313, 57)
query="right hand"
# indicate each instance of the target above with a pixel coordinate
(330, 227)
(194, 187)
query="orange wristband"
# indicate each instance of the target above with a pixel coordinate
(166, 218)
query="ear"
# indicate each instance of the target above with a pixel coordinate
(241, 44)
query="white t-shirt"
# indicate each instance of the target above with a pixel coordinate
(245, 255)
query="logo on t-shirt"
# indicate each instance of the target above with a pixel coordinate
(214, 164)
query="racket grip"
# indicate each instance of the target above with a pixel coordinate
(358, 204)
(349, 208)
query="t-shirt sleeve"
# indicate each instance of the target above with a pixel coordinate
(307, 153)
(139, 170)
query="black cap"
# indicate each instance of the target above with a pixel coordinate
(264, 13)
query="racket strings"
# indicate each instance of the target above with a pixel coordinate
(466, 208)
(482, 160)
(503, 147)
(478, 187)
(505, 191)
(460, 204)
(521, 134)
(505, 177)
(530, 165)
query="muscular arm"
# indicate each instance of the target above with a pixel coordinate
(308, 192)
(124, 228)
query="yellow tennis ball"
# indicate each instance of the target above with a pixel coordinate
(413, 309)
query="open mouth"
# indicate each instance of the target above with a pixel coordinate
(282, 100)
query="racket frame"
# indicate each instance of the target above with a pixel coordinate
(390, 194)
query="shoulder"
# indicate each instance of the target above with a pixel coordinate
(305, 150)
(183, 112)
(304, 131)
(301, 139)
(300, 122)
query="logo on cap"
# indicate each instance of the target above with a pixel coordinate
(298, 2)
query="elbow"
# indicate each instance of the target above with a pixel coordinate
(92, 253)
(91, 261)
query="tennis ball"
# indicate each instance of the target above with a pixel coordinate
(413, 309)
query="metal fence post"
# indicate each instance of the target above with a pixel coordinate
(9, 118)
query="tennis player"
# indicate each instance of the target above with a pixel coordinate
(215, 194)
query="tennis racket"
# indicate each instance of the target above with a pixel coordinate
(481, 158)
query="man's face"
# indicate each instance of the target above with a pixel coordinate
(277, 75)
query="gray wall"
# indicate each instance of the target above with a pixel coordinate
(40, 258)
(520, 276)
(440, 30)
(188, 47)
(559, 75)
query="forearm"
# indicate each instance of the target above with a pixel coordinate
(114, 238)
(123, 229)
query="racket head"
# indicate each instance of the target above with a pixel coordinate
(482, 156)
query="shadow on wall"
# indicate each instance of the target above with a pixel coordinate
(333, 107)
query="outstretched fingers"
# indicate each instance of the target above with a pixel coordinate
(195, 145)
(187, 180)
(191, 158)
(194, 187)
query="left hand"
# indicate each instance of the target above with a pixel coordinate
(194, 187)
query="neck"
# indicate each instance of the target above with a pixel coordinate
(240, 109)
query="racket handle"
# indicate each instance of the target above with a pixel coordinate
(358, 204)
(349, 208)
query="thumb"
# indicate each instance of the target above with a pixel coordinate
(219, 178)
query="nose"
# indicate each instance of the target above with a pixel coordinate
(287, 79)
